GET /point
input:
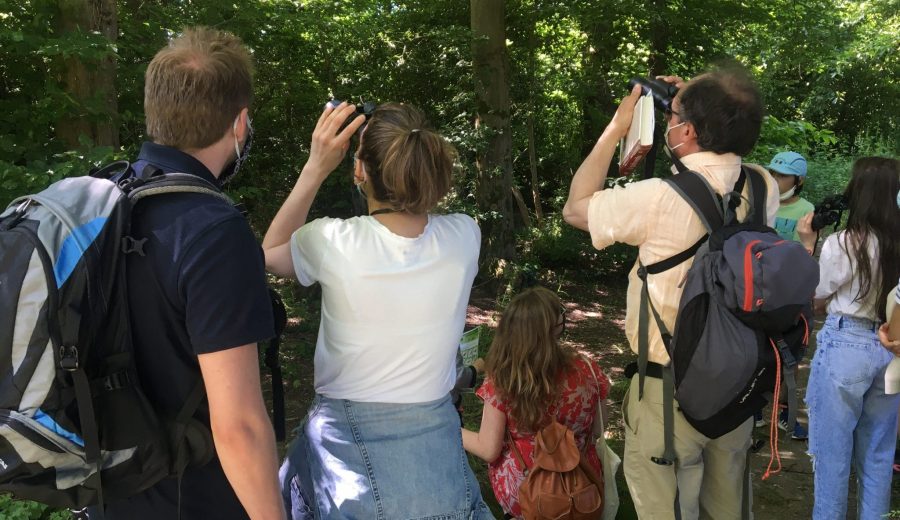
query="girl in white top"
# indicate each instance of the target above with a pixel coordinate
(382, 437)
(852, 421)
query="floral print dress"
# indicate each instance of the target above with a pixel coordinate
(575, 408)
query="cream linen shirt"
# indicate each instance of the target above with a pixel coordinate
(651, 215)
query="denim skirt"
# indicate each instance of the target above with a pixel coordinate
(382, 461)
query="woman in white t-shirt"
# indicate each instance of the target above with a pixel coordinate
(853, 422)
(381, 439)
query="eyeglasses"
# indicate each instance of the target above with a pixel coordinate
(668, 114)
(563, 318)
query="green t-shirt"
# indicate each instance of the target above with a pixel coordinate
(787, 217)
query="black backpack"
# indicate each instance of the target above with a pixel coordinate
(75, 427)
(744, 312)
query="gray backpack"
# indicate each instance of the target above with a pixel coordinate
(744, 312)
(75, 427)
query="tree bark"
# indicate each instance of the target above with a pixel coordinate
(494, 164)
(659, 37)
(532, 152)
(601, 51)
(90, 83)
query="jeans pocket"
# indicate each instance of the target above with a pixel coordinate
(313, 410)
(848, 363)
(299, 507)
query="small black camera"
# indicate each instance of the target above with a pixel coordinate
(829, 212)
(662, 92)
(365, 109)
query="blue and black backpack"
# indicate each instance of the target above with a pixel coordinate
(75, 426)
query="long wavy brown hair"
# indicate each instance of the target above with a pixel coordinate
(526, 358)
(872, 193)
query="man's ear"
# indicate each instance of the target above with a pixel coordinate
(689, 132)
(241, 122)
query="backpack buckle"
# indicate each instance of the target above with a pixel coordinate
(68, 358)
(129, 183)
(784, 351)
(132, 245)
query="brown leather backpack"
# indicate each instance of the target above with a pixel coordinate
(560, 485)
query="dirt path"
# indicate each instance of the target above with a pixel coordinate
(596, 317)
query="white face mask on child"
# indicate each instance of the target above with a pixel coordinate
(788, 194)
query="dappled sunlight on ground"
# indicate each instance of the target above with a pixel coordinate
(480, 316)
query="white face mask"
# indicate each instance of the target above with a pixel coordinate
(666, 136)
(788, 194)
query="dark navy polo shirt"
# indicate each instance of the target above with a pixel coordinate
(201, 288)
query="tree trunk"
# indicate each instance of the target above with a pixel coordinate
(600, 98)
(91, 84)
(532, 152)
(494, 163)
(659, 37)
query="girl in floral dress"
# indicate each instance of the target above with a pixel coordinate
(531, 378)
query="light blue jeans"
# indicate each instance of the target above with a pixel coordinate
(380, 461)
(850, 419)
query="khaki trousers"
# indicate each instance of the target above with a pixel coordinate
(710, 472)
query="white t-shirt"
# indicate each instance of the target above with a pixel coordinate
(839, 279)
(393, 308)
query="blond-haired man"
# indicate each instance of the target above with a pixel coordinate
(198, 296)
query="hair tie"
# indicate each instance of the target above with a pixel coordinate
(414, 130)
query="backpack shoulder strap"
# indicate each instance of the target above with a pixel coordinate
(697, 192)
(758, 195)
(175, 183)
(694, 189)
(518, 455)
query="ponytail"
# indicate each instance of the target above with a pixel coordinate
(409, 165)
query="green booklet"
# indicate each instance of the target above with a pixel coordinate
(468, 345)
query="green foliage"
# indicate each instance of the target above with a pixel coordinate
(824, 66)
(556, 245)
(12, 509)
(825, 177)
(18, 180)
(799, 136)
(33, 101)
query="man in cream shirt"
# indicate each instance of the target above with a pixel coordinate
(714, 120)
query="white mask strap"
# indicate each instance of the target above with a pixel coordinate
(237, 148)
(666, 136)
